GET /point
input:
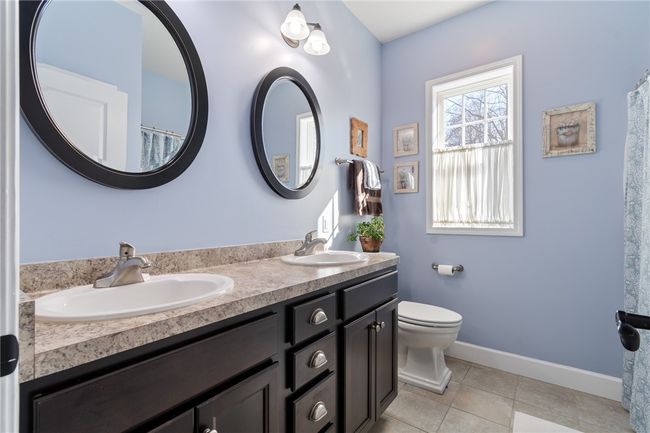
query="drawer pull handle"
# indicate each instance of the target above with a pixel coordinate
(210, 430)
(318, 359)
(318, 412)
(318, 317)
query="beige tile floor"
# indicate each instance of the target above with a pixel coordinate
(483, 400)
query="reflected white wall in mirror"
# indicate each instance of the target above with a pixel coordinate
(289, 133)
(114, 82)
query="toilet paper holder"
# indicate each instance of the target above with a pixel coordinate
(455, 268)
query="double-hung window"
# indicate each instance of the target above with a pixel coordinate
(474, 151)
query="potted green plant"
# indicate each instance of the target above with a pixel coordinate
(370, 234)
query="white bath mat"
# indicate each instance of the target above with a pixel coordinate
(524, 423)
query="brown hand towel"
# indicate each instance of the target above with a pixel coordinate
(366, 201)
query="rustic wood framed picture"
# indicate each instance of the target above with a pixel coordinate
(570, 130)
(358, 137)
(405, 140)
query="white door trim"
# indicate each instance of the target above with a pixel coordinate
(9, 195)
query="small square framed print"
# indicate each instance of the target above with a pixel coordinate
(281, 167)
(570, 130)
(405, 177)
(405, 140)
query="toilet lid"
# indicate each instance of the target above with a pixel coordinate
(417, 313)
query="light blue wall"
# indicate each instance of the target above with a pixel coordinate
(68, 37)
(221, 199)
(166, 103)
(552, 293)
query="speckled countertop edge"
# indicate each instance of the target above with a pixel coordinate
(260, 283)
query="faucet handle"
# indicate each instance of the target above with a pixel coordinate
(126, 250)
(310, 236)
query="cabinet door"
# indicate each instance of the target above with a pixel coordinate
(386, 355)
(358, 346)
(249, 406)
(183, 423)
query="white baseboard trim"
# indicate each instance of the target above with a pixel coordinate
(557, 374)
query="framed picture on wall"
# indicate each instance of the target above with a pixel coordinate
(570, 130)
(405, 140)
(405, 177)
(358, 137)
(281, 167)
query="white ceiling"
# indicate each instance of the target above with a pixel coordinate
(391, 19)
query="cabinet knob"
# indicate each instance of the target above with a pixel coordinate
(378, 326)
(317, 359)
(318, 412)
(318, 316)
(214, 426)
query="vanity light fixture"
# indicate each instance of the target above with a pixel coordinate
(295, 28)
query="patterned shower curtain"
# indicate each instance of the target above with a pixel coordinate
(636, 374)
(157, 149)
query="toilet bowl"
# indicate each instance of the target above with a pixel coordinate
(425, 331)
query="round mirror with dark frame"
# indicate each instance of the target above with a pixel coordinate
(114, 89)
(286, 132)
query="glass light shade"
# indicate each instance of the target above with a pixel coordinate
(317, 44)
(295, 26)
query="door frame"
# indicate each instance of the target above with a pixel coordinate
(9, 201)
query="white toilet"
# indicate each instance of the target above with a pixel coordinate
(425, 331)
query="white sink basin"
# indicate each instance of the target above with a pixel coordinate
(328, 258)
(158, 293)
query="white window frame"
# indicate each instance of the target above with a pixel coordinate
(457, 81)
(300, 118)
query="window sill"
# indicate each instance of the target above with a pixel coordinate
(476, 231)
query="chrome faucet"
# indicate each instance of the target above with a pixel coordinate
(128, 269)
(307, 247)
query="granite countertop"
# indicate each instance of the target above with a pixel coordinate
(259, 283)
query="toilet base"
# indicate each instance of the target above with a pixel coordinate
(426, 368)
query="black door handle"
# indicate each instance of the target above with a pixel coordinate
(8, 354)
(627, 324)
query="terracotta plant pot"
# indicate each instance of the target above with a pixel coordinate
(370, 245)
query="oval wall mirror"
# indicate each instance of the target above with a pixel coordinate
(114, 89)
(286, 132)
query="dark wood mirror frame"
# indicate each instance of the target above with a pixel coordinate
(257, 137)
(37, 116)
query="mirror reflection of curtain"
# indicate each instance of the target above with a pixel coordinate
(158, 148)
(306, 147)
(636, 365)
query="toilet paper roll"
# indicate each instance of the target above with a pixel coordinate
(447, 270)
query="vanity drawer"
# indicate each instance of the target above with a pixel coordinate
(314, 410)
(130, 396)
(313, 317)
(364, 296)
(312, 360)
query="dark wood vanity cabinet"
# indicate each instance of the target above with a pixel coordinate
(370, 367)
(183, 423)
(249, 406)
(321, 362)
